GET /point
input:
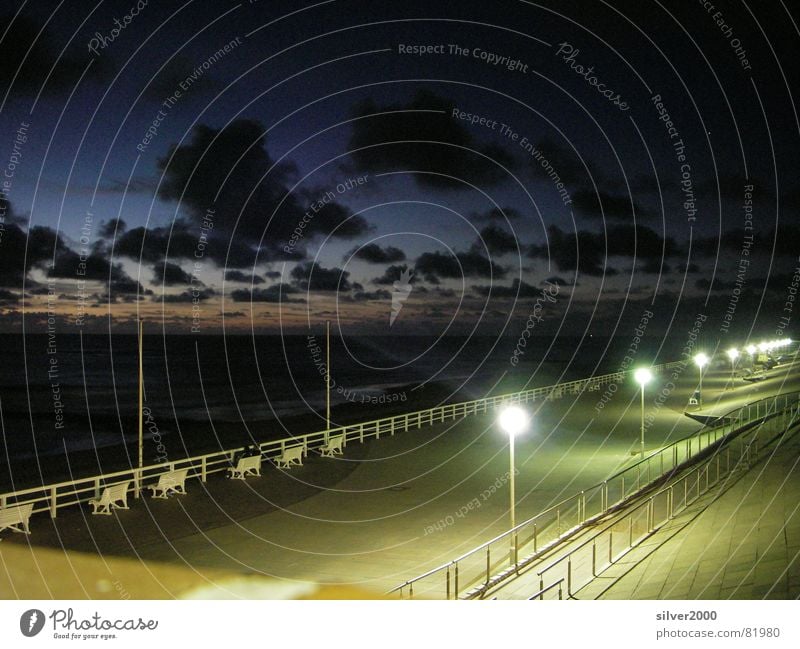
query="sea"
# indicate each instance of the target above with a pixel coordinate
(78, 394)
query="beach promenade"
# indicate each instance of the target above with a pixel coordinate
(393, 508)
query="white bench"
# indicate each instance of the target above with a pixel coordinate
(111, 497)
(292, 456)
(249, 465)
(16, 518)
(173, 482)
(333, 447)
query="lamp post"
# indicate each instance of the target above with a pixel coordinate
(642, 376)
(701, 360)
(751, 349)
(733, 354)
(513, 420)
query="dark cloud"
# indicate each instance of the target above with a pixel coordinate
(247, 278)
(391, 275)
(370, 296)
(565, 164)
(567, 249)
(313, 277)
(111, 228)
(8, 297)
(418, 140)
(230, 171)
(20, 251)
(497, 214)
(276, 293)
(168, 80)
(588, 251)
(170, 274)
(29, 58)
(497, 240)
(559, 281)
(717, 285)
(186, 297)
(434, 266)
(518, 289)
(374, 254)
(610, 206)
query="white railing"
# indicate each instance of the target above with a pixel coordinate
(474, 572)
(52, 497)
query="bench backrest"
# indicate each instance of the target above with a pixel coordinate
(17, 514)
(116, 492)
(293, 452)
(335, 442)
(173, 477)
(249, 462)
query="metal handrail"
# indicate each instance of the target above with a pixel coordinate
(734, 424)
(697, 472)
(51, 497)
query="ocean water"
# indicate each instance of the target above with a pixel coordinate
(79, 393)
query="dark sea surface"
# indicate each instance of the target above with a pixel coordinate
(77, 395)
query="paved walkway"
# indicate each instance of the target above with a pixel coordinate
(382, 514)
(741, 543)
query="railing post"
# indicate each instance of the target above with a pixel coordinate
(594, 557)
(455, 592)
(535, 535)
(558, 522)
(488, 565)
(448, 582)
(53, 502)
(630, 530)
(610, 547)
(569, 576)
(203, 468)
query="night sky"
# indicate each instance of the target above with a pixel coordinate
(265, 166)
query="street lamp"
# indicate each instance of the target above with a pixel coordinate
(701, 360)
(643, 376)
(733, 354)
(513, 420)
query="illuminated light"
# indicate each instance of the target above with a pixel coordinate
(513, 420)
(643, 376)
(701, 360)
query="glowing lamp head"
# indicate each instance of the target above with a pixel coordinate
(701, 360)
(733, 354)
(751, 349)
(513, 420)
(763, 347)
(643, 376)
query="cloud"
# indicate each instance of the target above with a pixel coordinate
(497, 214)
(364, 296)
(168, 80)
(7, 297)
(374, 254)
(275, 293)
(519, 289)
(496, 240)
(28, 58)
(589, 251)
(408, 138)
(111, 228)
(434, 266)
(219, 169)
(392, 274)
(186, 296)
(247, 278)
(610, 206)
(170, 274)
(313, 277)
